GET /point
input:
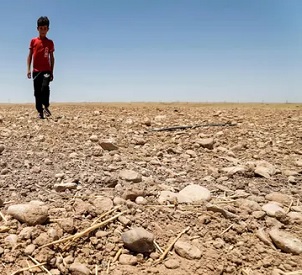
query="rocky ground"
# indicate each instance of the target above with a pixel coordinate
(96, 190)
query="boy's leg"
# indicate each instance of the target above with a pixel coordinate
(38, 78)
(46, 92)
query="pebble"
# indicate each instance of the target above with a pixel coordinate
(102, 204)
(61, 187)
(108, 145)
(32, 213)
(272, 208)
(285, 241)
(187, 250)
(206, 143)
(193, 193)
(126, 259)
(79, 269)
(279, 197)
(131, 176)
(138, 240)
(172, 264)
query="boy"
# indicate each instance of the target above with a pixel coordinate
(41, 49)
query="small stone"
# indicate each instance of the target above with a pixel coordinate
(126, 259)
(32, 213)
(1, 203)
(67, 225)
(258, 214)
(130, 175)
(29, 250)
(147, 121)
(132, 194)
(102, 204)
(73, 155)
(292, 179)
(232, 170)
(26, 233)
(138, 240)
(272, 208)
(263, 172)
(4, 228)
(167, 196)
(279, 197)
(47, 161)
(108, 145)
(61, 187)
(285, 241)
(193, 193)
(2, 148)
(12, 240)
(79, 269)
(186, 250)
(206, 143)
(295, 217)
(171, 264)
(125, 221)
(141, 200)
(94, 138)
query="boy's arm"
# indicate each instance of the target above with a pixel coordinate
(29, 59)
(52, 64)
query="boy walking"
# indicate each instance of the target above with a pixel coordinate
(41, 50)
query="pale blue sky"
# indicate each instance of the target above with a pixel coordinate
(158, 50)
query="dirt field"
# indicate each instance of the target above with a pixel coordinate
(88, 159)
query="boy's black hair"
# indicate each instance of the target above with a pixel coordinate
(43, 21)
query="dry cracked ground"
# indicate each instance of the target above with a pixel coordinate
(95, 189)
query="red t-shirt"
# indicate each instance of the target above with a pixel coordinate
(41, 49)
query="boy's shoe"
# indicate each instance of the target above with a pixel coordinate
(47, 112)
(40, 115)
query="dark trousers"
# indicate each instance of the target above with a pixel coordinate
(41, 90)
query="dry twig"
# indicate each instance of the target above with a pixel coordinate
(86, 231)
(43, 268)
(118, 253)
(158, 247)
(162, 257)
(226, 230)
(27, 268)
(290, 206)
(3, 217)
(105, 214)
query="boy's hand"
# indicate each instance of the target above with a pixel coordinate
(29, 75)
(51, 77)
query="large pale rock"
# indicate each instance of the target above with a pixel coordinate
(272, 209)
(130, 175)
(193, 193)
(285, 241)
(138, 240)
(32, 213)
(187, 250)
(279, 197)
(79, 269)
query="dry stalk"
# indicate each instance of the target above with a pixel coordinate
(290, 206)
(3, 217)
(158, 247)
(43, 268)
(298, 272)
(108, 267)
(27, 268)
(162, 257)
(96, 270)
(86, 231)
(118, 253)
(226, 230)
(105, 214)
